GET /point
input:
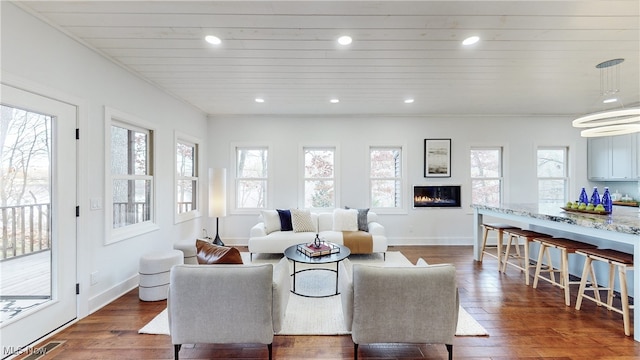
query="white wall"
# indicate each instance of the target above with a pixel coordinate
(518, 135)
(37, 57)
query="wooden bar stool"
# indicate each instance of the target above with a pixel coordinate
(499, 229)
(566, 247)
(616, 259)
(523, 263)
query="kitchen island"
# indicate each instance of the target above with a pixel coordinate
(619, 230)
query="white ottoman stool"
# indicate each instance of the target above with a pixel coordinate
(188, 248)
(154, 273)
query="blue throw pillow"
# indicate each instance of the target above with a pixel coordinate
(285, 220)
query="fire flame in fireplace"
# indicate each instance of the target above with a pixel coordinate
(427, 199)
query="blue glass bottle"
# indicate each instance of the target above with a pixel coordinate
(584, 198)
(595, 197)
(606, 200)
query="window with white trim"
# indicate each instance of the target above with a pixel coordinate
(252, 177)
(187, 179)
(319, 182)
(553, 178)
(386, 182)
(131, 185)
(486, 176)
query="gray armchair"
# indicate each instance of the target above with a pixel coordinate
(400, 305)
(225, 304)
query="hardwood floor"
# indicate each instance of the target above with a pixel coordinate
(523, 323)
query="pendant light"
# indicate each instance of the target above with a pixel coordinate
(614, 121)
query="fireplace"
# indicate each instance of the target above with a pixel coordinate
(436, 196)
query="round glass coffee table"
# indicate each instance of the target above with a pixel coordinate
(298, 257)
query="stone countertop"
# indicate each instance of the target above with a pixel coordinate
(622, 219)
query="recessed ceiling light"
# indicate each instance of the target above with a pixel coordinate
(408, 101)
(610, 100)
(214, 40)
(259, 100)
(334, 101)
(344, 40)
(470, 40)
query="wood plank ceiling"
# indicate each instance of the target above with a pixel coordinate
(534, 57)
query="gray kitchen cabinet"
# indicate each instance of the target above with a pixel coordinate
(613, 158)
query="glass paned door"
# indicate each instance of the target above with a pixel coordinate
(37, 217)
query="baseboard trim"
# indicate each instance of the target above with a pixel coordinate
(100, 300)
(434, 241)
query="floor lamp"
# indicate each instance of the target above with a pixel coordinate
(217, 198)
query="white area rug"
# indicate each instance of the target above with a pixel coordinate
(299, 321)
(158, 326)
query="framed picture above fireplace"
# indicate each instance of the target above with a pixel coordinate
(426, 196)
(437, 158)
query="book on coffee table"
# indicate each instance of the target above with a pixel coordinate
(325, 248)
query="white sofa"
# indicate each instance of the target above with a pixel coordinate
(277, 241)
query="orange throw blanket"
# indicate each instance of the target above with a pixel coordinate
(359, 242)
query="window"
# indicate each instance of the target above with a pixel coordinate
(552, 174)
(486, 176)
(386, 177)
(131, 183)
(319, 177)
(131, 176)
(252, 177)
(187, 179)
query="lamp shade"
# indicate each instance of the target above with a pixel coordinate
(217, 192)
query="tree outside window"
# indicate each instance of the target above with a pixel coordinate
(187, 177)
(25, 181)
(252, 176)
(486, 176)
(552, 175)
(319, 178)
(131, 175)
(386, 177)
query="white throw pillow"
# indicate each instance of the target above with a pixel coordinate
(345, 220)
(363, 219)
(301, 220)
(421, 263)
(271, 220)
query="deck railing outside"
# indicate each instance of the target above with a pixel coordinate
(25, 229)
(125, 213)
(132, 213)
(185, 206)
